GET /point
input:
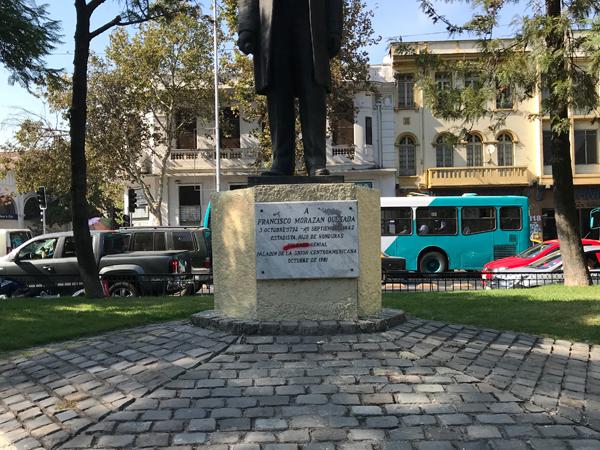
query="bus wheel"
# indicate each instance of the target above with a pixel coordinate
(432, 262)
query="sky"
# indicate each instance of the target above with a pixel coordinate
(393, 19)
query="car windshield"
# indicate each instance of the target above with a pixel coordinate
(548, 262)
(534, 251)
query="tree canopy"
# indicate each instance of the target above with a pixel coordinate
(147, 88)
(553, 53)
(27, 35)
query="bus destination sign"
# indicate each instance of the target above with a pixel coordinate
(306, 240)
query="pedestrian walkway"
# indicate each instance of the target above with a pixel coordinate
(422, 385)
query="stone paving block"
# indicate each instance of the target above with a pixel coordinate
(366, 435)
(189, 438)
(328, 434)
(270, 424)
(202, 425)
(483, 432)
(293, 436)
(382, 422)
(239, 424)
(435, 445)
(281, 447)
(168, 426)
(311, 399)
(116, 441)
(397, 445)
(81, 441)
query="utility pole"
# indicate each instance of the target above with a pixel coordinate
(217, 128)
(41, 196)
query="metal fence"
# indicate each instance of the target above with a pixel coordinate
(57, 285)
(472, 281)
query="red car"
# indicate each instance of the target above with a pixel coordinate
(527, 256)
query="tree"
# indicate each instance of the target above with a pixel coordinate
(134, 12)
(543, 56)
(349, 74)
(27, 35)
(146, 90)
(43, 149)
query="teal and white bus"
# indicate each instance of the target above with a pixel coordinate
(436, 234)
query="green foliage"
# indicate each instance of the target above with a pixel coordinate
(524, 64)
(27, 35)
(145, 90)
(546, 55)
(43, 160)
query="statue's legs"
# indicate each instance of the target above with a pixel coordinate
(292, 75)
(280, 106)
(312, 118)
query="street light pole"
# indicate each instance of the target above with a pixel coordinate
(217, 128)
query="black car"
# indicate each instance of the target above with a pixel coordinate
(196, 240)
(392, 267)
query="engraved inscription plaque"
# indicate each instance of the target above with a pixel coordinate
(306, 240)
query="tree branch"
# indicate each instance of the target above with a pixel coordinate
(94, 4)
(116, 21)
(119, 23)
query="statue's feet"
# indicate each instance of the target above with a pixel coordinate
(320, 172)
(273, 173)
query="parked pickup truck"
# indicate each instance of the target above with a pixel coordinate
(48, 264)
(196, 240)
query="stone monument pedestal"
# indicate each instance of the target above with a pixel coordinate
(297, 258)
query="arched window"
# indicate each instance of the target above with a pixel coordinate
(505, 150)
(32, 209)
(7, 208)
(407, 151)
(474, 151)
(444, 153)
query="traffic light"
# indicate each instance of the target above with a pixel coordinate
(132, 196)
(41, 196)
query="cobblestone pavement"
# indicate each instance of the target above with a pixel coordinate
(422, 385)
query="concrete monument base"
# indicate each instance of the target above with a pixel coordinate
(316, 246)
(387, 318)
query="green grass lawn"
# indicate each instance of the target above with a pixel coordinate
(571, 313)
(28, 322)
(555, 311)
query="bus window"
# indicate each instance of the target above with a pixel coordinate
(510, 218)
(436, 220)
(396, 221)
(478, 219)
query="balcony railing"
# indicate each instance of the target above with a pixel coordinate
(345, 151)
(350, 154)
(241, 158)
(478, 176)
(204, 158)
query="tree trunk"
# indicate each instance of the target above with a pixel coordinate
(78, 118)
(575, 272)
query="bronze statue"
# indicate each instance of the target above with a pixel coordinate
(292, 42)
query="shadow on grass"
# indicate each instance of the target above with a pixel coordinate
(562, 313)
(29, 322)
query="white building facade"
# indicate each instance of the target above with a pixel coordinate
(366, 156)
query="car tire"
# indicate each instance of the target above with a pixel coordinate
(433, 262)
(123, 289)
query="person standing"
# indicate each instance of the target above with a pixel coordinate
(292, 42)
